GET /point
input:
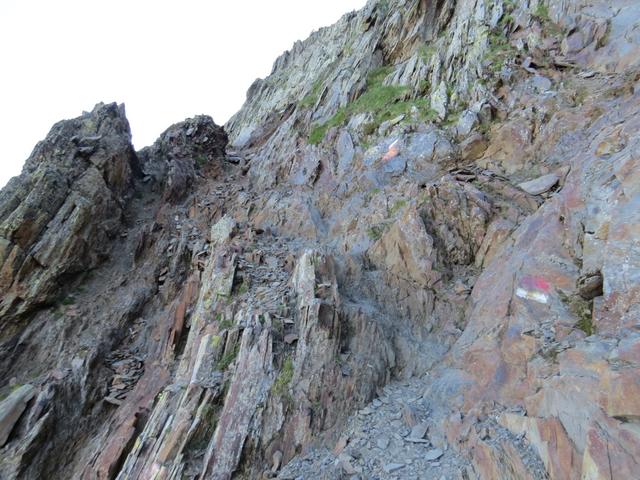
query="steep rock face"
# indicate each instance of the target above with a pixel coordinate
(430, 206)
(89, 267)
(57, 218)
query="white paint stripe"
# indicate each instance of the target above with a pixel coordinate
(535, 296)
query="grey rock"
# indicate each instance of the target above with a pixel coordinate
(540, 185)
(393, 467)
(540, 83)
(382, 442)
(419, 431)
(345, 151)
(434, 454)
(466, 123)
(12, 408)
(440, 100)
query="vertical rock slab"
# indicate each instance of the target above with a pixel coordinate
(12, 408)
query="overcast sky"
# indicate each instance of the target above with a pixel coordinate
(166, 60)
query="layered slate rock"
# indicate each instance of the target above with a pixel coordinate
(357, 292)
(58, 217)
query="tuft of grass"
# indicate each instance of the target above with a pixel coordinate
(397, 206)
(500, 51)
(242, 288)
(201, 160)
(227, 359)
(319, 131)
(11, 390)
(375, 233)
(281, 385)
(312, 98)
(426, 52)
(383, 5)
(582, 309)
(68, 301)
(223, 323)
(542, 13)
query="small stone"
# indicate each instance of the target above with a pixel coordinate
(610, 146)
(590, 285)
(460, 287)
(540, 83)
(409, 416)
(466, 123)
(277, 461)
(383, 442)
(540, 184)
(340, 446)
(440, 100)
(393, 467)
(419, 431)
(434, 454)
(290, 338)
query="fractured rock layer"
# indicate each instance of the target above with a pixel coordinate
(419, 258)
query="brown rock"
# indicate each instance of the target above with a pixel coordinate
(473, 147)
(590, 285)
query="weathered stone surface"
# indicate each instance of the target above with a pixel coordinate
(408, 251)
(358, 270)
(181, 151)
(540, 185)
(59, 216)
(11, 408)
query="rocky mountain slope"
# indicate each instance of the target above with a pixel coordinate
(413, 253)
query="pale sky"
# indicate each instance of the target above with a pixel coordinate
(166, 60)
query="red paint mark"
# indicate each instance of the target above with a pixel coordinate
(535, 283)
(392, 152)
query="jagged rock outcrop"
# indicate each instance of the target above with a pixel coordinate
(420, 259)
(174, 160)
(58, 217)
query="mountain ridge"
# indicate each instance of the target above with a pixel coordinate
(412, 252)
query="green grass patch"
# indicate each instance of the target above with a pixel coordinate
(281, 385)
(242, 288)
(500, 51)
(426, 52)
(11, 390)
(319, 131)
(201, 160)
(375, 233)
(384, 102)
(227, 359)
(68, 301)
(397, 206)
(582, 309)
(223, 323)
(542, 13)
(312, 98)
